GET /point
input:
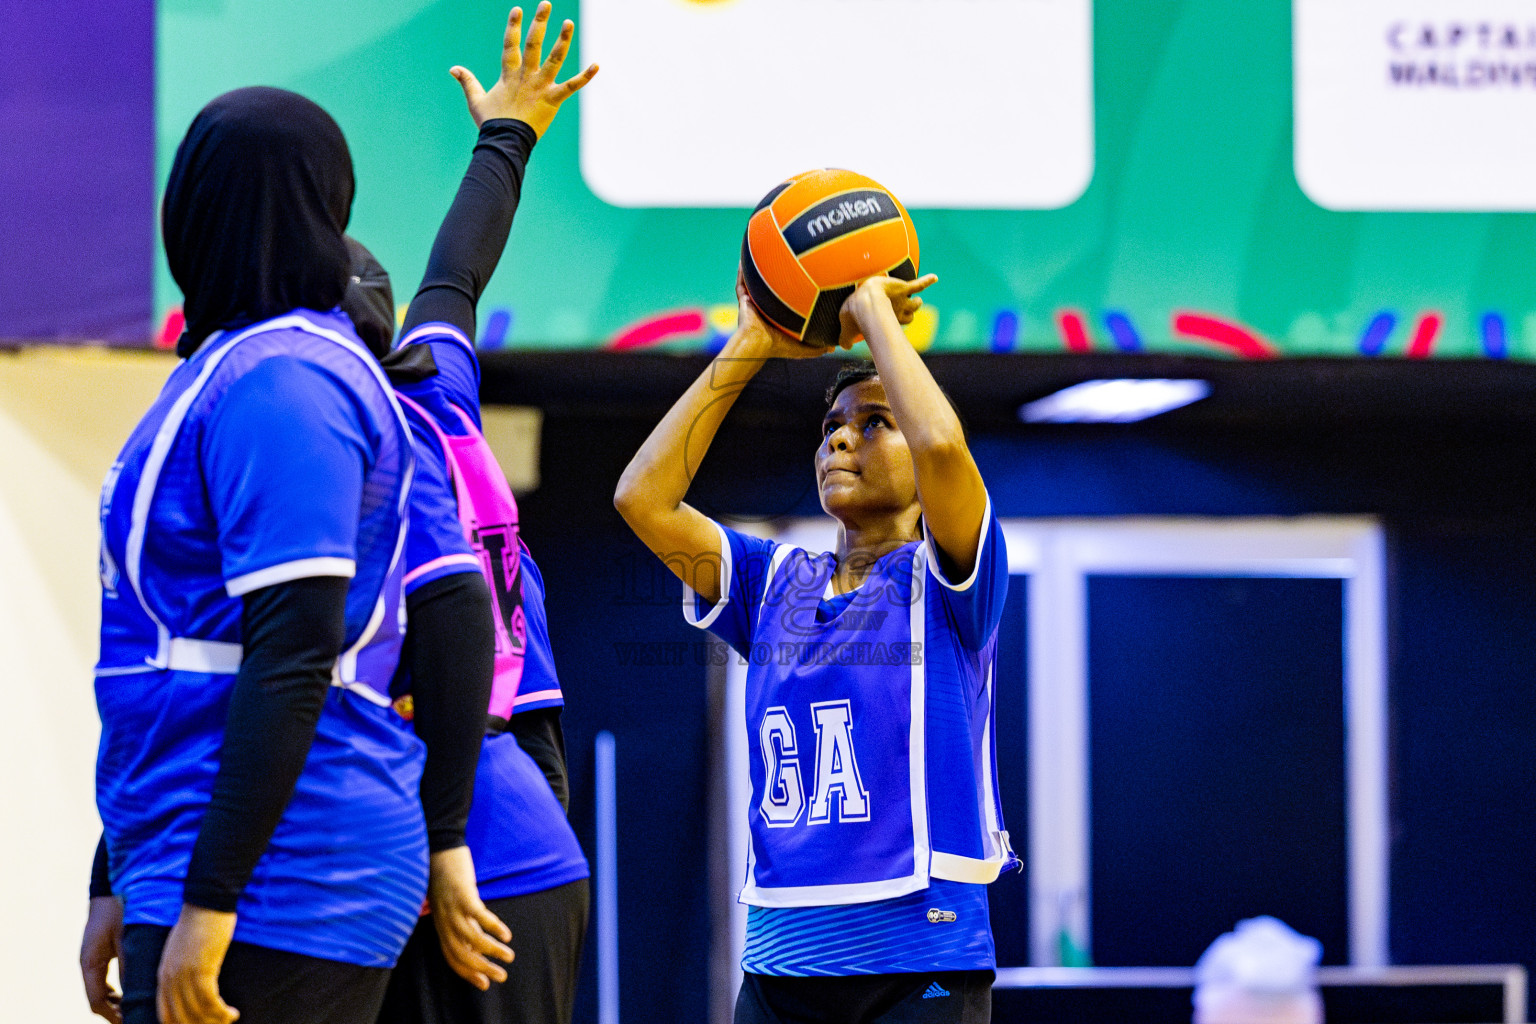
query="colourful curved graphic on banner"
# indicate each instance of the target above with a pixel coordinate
(657, 329)
(1225, 334)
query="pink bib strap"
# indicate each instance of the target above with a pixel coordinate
(488, 516)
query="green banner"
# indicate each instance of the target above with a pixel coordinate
(1192, 234)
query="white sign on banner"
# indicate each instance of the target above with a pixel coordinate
(973, 104)
(1416, 104)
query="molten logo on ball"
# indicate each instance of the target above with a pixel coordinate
(845, 211)
(815, 237)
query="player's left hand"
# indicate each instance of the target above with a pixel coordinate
(527, 90)
(467, 929)
(187, 984)
(99, 946)
(873, 298)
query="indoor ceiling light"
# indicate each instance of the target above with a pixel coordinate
(1113, 401)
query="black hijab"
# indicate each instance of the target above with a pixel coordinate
(257, 200)
(370, 302)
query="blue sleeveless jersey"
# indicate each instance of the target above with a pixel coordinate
(874, 790)
(517, 833)
(275, 453)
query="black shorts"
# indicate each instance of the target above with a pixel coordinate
(937, 997)
(548, 929)
(267, 986)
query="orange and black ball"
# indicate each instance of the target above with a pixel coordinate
(813, 239)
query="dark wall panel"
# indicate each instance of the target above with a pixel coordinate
(1216, 750)
(1463, 681)
(626, 663)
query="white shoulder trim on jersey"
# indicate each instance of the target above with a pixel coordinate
(981, 547)
(286, 572)
(435, 329)
(690, 604)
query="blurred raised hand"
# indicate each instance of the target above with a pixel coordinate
(527, 89)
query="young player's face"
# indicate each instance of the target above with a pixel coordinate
(864, 466)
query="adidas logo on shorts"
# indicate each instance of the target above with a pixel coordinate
(934, 992)
(942, 917)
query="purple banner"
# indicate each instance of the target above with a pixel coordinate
(77, 165)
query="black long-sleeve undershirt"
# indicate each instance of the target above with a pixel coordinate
(101, 878)
(292, 634)
(450, 651)
(474, 233)
(538, 732)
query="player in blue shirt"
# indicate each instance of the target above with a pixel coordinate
(530, 869)
(875, 824)
(258, 791)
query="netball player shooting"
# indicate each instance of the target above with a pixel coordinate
(874, 819)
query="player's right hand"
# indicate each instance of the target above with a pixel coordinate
(875, 297)
(527, 90)
(466, 928)
(187, 981)
(762, 338)
(101, 944)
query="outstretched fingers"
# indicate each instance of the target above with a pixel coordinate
(473, 93)
(512, 43)
(571, 86)
(533, 47)
(921, 284)
(560, 49)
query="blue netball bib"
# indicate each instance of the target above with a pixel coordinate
(869, 720)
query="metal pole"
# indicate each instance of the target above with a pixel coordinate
(607, 883)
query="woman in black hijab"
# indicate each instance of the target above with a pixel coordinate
(255, 208)
(244, 674)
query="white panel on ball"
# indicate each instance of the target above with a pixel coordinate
(1416, 104)
(709, 103)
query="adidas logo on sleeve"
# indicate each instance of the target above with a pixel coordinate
(934, 992)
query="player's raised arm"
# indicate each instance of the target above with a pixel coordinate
(949, 486)
(651, 491)
(511, 116)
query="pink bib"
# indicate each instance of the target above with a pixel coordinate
(488, 513)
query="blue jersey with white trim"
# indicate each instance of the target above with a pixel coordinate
(517, 832)
(435, 545)
(869, 717)
(275, 453)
